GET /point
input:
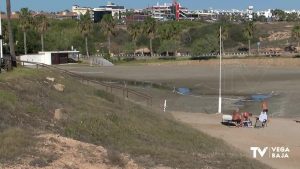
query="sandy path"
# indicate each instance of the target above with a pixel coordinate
(280, 132)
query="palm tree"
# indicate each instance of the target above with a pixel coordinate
(134, 31)
(41, 24)
(296, 33)
(25, 24)
(169, 32)
(149, 28)
(85, 27)
(248, 32)
(108, 25)
(10, 34)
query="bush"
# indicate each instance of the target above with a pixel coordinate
(107, 96)
(297, 56)
(116, 158)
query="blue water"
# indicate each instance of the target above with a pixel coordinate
(260, 97)
(183, 90)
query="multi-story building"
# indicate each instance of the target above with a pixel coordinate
(115, 10)
(66, 15)
(267, 13)
(168, 11)
(250, 13)
(80, 10)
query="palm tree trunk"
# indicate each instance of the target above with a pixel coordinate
(10, 34)
(249, 47)
(135, 47)
(108, 39)
(223, 48)
(151, 51)
(86, 47)
(42, 41)
(25, 43)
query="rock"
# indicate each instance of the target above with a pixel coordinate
(100, 61)
(50, 79)
(60, 114)
(59, 87)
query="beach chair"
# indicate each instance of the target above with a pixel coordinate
(247, 123)
(227, 120)
(259, 124)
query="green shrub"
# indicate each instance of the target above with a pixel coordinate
(105, 95)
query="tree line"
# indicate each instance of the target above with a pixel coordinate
(38, 33)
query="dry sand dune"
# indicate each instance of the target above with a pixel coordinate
(66, 153)
(280, 132)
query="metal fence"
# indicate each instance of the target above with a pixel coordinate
(225, 54)
(111, 88)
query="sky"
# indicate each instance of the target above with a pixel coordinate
(59, 5)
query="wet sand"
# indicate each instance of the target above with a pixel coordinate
(241, 79)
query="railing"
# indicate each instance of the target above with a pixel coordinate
(226, 54)
(126, 92)
(244, 54)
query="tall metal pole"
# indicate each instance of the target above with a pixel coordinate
(1, 41)
(220, 75)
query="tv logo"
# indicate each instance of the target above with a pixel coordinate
(274, 152)
(261, 152)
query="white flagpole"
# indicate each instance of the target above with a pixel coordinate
(1, 41)
(220, 80)
(165, 105)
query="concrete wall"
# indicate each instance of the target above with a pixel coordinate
(39, 58)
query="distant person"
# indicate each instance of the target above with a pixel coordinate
(246, 116)
(246, 121)
(263, 117)
(236, 116)
(264, 106)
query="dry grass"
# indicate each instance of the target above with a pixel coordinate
(149, 137)
(15, 143)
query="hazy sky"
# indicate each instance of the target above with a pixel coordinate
(57, 5)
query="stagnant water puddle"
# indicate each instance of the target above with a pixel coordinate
(247, 102)
(194, 101)
(183, 91)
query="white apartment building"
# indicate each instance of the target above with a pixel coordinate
(80, 10)
(112, 8)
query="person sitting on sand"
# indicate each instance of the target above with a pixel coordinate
(236, 116)
(263, 117)
(246, 121)
(246, 116)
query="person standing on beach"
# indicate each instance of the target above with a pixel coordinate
(264, 106)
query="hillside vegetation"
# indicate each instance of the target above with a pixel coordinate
(28, 102)
(168, 38)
